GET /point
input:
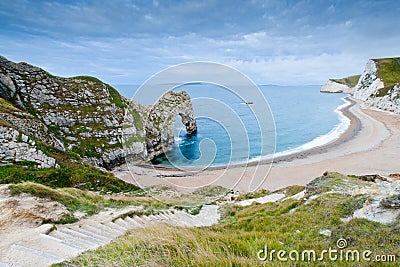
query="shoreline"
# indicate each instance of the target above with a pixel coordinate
(370, 145)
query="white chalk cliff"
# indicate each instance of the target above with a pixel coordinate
(332, 86)
(374, 92)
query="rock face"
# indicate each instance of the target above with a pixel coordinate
(153, 129)
(161, 119)
(79, 115)
(379, 84)
(17, 147)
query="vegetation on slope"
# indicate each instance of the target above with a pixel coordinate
(73, 199)
(84, 177)
(244, 231)
(6, 106)
(389, 70)
(116, 97)
(350, 81)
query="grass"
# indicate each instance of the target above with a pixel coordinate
(62, 157)
(389, 70)
(243, 231)
(288, 191)
(190, 202)
(73, 199)
(137, 119)
(350, 81)
(333, 181)
(210, 191)
(6, 106)
(116, 97)
(82, 177)
(5, 124)
(133, 139)
(87, 78)
(251, 195)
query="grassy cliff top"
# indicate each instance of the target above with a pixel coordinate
(350, 81)
(388, 70)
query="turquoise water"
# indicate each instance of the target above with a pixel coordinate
(303, 117)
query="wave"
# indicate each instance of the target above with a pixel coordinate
(319, 141)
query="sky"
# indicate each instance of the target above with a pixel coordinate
(272, 42)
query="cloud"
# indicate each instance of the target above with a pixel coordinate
(126, 41)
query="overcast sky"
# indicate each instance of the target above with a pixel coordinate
(273, 42)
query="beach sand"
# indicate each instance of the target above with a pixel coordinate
(371, 145)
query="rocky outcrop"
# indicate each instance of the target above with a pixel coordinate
(379, 84)
(18, 148)
(82, 116)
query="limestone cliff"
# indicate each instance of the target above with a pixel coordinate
(379, 85)
(344, 85)
(150, 130)
(82, 118)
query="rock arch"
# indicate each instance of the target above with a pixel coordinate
(161, 118)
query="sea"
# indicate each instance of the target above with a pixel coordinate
(229, 131)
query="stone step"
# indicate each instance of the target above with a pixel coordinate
(69, 241)
(208, 215)
(123, 223)
(145, 219)
(116, 227)
(164, 216)
(185, 219)
(69, 244)
(139, 220)
(134, 222)
(173, 221)
(93, 234)
(96, 229)
(85, 244)
(177, 220)
(151, 218)
(80, 235)
(159, 217)
(109, 229)
(51, 246)
(24, 256)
